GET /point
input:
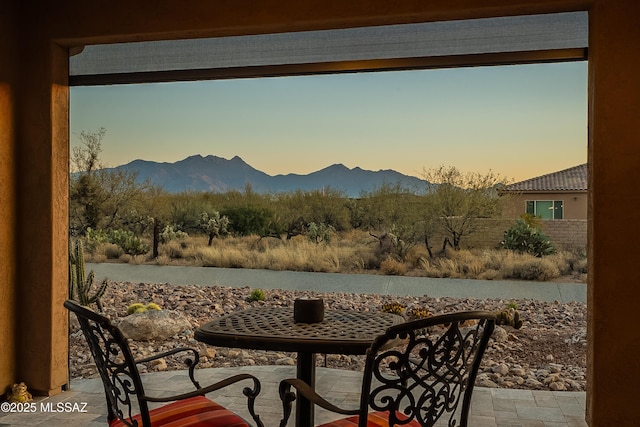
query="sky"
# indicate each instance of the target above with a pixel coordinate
(518, 121)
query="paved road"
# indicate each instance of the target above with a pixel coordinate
(335, 282)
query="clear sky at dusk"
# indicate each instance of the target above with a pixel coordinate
(519, 121)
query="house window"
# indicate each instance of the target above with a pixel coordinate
(546, 209)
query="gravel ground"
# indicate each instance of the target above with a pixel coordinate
(547, 353)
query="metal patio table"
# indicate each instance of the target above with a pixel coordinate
(273, 328)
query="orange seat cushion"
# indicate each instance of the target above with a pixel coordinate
(375, 419)
(192, 412)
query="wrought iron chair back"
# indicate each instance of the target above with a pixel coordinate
(115, 364)
(425, 369)
(127, 403)
(417, 373)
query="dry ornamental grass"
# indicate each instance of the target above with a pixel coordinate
(355, 252)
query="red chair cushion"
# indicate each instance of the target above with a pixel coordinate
(375, 419)
(192, 412)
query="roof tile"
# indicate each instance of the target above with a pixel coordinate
(572, 179)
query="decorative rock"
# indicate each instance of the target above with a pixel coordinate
(286, 361)
(159, 365)
(550, 329)
(554, 367)
(209, 352)
(153, 325)
(74, 324)
(519, 372)
(501, 369)
(552, 378)
(486, 383)
(500, 335)
(542, 373)
(557, 386)
(533, 383)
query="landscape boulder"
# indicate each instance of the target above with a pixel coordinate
(153, 325)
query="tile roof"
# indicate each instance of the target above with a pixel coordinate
(572, 179)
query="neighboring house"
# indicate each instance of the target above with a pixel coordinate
(557, 195)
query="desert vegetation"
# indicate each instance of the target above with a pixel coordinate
(355, 252)
(389, 230)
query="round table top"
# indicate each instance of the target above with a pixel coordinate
(273, 328)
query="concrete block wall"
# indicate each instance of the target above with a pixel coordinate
(565, 234)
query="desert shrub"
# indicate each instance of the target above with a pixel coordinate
(264, 244)
(97, 258)
(101, 252)
(564, 262)
(175, 249)
(467, 263)
(415, 256)
(534, 268)
(163, 260)
(490, 274)
(226, 254)
(580, 266)
(362, 258)
(521, 237)
(111, 250)
(392, 267)
(449, 267)
(133, 259)
(571, 261)
(247, 220)
(256, 295)
(534, 221)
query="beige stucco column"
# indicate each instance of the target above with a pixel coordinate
(42, 215)
(614, 157)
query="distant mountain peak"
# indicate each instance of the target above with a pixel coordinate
(218, 175)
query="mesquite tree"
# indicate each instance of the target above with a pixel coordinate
(457, 200)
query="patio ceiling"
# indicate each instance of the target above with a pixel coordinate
(487, 41)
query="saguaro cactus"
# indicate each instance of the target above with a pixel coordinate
(80, 286)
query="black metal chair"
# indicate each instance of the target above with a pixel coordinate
(416, 374)
(123, 384)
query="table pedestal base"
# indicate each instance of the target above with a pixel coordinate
(306, 371)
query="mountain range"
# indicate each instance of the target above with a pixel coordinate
(219, 175)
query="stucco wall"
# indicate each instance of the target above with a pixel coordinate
(8, 59)
(574, 204)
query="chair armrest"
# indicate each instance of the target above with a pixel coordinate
(213, 387)
(191, 364)
(251, 393)
(287, 397)
(171, 352)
